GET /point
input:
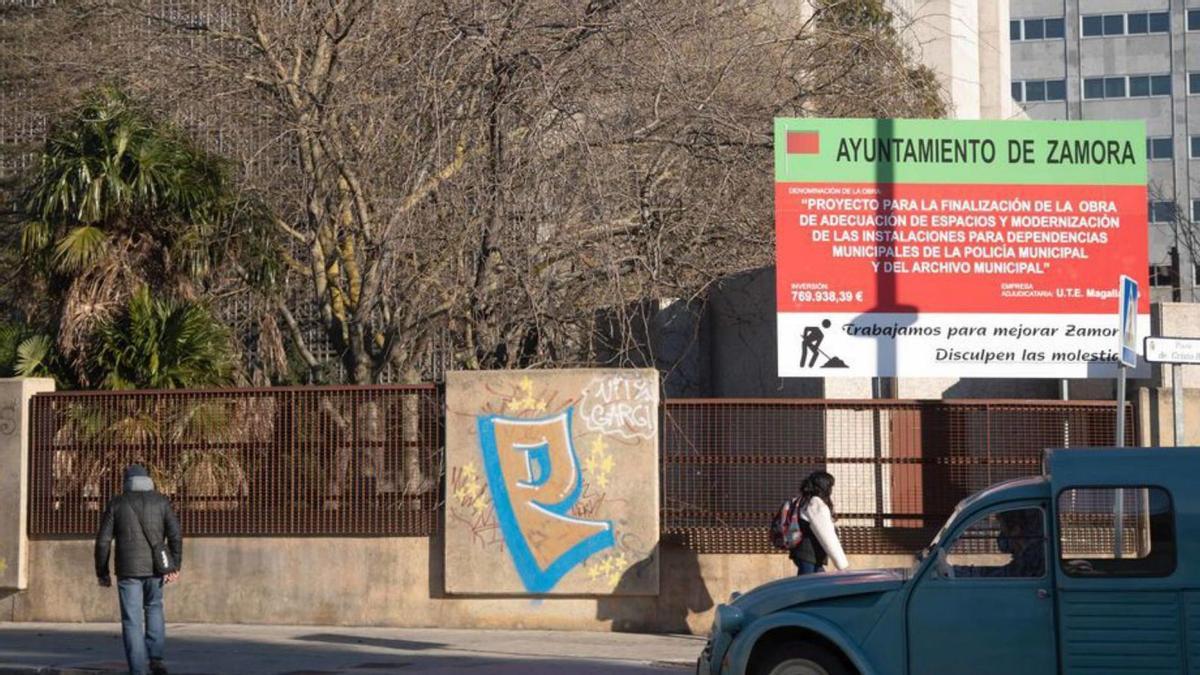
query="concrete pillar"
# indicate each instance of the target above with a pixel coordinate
(947, 32)
(995, 61)
(15, 395)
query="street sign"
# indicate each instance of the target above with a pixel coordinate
(1172, 350)
(1128, 314)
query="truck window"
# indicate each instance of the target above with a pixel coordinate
(1126, 532)
(1010, 543)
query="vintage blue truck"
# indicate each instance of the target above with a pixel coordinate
(1092, 567)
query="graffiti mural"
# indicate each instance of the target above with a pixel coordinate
(552, 481)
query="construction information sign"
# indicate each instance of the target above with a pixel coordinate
(938, 248)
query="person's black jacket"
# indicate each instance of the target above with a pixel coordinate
(120, 521)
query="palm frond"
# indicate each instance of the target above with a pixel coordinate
(33, 356)
(80, 248)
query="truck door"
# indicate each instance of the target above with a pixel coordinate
(986, 607)
(1120, 605)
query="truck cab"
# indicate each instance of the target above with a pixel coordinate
(1091, 567)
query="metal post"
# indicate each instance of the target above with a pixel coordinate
(1119, 507)
(1120, 406)
(878, 392)
(1177, 401)
(1065, 394)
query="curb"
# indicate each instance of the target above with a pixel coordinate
(53, 670)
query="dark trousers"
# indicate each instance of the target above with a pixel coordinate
(805, 567)
(143, 625)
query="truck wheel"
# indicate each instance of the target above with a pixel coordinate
(800, 658)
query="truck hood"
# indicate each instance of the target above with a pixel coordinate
(783, 593)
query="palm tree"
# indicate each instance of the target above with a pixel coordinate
(27, 353)
(121, 201)
(155, 344)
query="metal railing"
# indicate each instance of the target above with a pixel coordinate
(295, 461)
(900, 466)
(316, 461)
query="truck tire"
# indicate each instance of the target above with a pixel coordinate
(800, 658)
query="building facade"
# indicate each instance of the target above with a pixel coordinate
(1126, 59)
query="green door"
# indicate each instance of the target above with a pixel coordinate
(987, 606)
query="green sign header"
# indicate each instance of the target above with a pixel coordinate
(960, 151)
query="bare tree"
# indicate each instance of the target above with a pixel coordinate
(495, 172)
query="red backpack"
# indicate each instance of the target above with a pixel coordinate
(786, 532)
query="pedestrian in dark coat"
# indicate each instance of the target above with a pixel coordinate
(135, 519)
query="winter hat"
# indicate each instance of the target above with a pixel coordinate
(136, 470)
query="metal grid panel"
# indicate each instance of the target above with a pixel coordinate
(900, 466)
(281, 461)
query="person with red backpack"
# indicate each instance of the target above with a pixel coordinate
(804, 527)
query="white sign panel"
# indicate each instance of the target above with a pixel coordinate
(1172, 350)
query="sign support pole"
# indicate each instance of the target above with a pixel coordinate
(1177, 401)
(1119, 506)
(1120, 406)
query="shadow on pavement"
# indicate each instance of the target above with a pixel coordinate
(384, 643)
(25, 651)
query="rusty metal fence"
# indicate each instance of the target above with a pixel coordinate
(296, 461)
(318, 461)
(900, 466)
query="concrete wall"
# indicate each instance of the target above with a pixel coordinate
(14, 478)
(966, 43)
(379, 582)
(1155, 399)
(552, 481)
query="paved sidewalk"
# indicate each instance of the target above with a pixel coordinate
(207, 649)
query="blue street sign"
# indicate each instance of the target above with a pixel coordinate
(1128, 312)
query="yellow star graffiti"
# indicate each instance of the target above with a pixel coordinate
(599, 463)
(527, 401)
(472, 493)
(608, 569)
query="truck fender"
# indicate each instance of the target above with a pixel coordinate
(743, 644)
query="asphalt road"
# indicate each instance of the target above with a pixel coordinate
(208, 649)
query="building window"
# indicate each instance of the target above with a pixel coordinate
(1140, 23)
(1040, 90)
(1114, 24)
(1160, 85)
(1093, 87)
(1093, 26)
(1195, 147)
(1160, 22)
(1160, 148)
(1194, 83)
(1114, 87)
(1147, 85)
(1193, 19)
(1162, 212)
(1116, 532)
(1160, 275)
(1035, 29)
(1196, 210)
